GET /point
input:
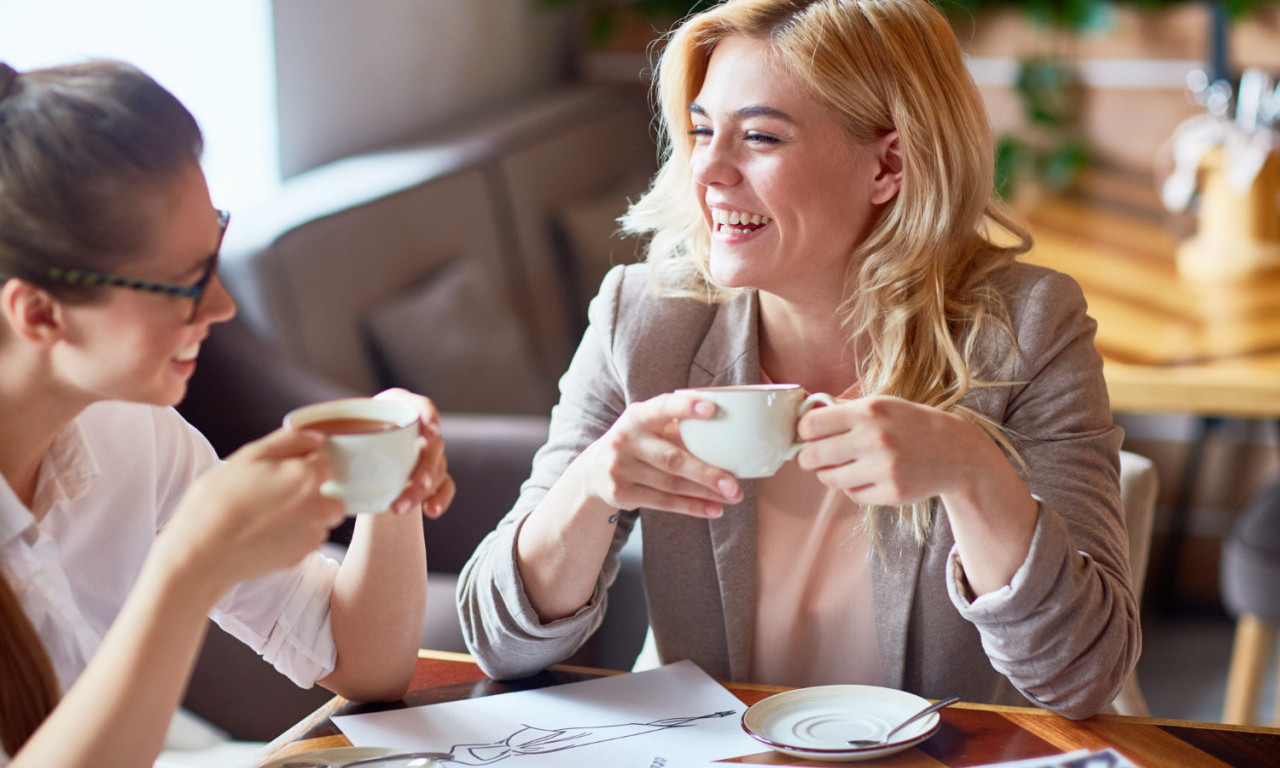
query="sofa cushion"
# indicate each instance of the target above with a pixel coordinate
(455, 339)
(591, 236)
(589, 150)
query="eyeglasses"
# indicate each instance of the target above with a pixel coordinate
(88, 278)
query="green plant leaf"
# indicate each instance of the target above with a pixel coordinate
(1011, 156)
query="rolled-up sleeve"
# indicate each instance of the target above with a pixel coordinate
(1065, 631)
(499, 624)
(285, 617)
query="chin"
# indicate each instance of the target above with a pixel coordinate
(729, 272)
(168, 395)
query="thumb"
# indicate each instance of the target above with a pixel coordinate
(284, 443)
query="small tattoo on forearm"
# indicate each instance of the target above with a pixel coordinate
(614, 517)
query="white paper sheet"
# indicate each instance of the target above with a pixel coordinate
(673, 714)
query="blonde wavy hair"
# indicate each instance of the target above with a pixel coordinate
(918, 289)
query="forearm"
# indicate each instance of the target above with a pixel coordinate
(118, 711)
(992, 516)
(377, 608)
(562, 546)
(1067, 633)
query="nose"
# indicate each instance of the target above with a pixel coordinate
(216, 304)
(713, 164)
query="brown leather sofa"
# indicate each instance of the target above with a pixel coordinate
(458, 265)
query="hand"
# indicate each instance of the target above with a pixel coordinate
(888, 451)
(641, 462)
(258, 512)
(430, 486)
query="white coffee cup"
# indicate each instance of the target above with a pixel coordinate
(373, 445)
(754, 430)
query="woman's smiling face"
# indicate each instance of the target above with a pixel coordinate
(786, 193)
(141, 346)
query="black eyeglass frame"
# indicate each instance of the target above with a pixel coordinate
(90, 278)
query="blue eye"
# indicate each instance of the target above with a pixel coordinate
(761, 138)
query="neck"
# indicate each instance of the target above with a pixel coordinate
(804, 344)
(33, 411)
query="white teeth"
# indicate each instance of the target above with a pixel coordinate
(723, 218)
(187, 353)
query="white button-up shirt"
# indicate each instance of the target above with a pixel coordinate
(110, 482)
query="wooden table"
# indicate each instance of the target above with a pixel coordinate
(971, 734)
(1168, 344)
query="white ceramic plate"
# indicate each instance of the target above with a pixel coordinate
(817, 723)
(335, 755)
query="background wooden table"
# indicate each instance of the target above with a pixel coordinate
(971, 734)
(1168, 344)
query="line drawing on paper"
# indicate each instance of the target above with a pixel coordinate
(532, 740)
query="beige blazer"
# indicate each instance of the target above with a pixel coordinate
(1064, 634)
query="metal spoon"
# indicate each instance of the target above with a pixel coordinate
(934, 707)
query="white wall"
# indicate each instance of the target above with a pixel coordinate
(214, 56)
(279, 86)
(352, 75)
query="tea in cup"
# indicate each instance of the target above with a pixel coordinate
(373, 445)
(754, 430)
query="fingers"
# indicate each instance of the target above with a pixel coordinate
(426, 482)
(638, 464)
(656, 414)
(427, 413)
(436, 505)
(283, 443)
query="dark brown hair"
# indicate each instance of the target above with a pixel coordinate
(78, 145)
(28, 685)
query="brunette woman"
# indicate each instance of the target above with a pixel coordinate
(120, 531)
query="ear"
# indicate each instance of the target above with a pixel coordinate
(888, 179)
(32, 312)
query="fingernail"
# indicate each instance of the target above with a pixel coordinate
(714, 511)
(704, 408)
(727, 488)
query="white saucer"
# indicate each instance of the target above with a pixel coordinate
(334, 755)
(818, 722)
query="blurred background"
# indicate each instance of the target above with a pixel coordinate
(305, 101)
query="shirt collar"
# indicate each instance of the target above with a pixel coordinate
(14, 515)
(67, 472)
(70, 464)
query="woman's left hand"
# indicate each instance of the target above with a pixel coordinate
(884, 451)
(430, 486)
(888, 451)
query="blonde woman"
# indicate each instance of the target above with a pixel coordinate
(824, 216)
(120, 531)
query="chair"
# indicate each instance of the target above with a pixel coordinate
(1250, 573)
(1139, 486)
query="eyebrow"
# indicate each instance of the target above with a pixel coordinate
(755, 110)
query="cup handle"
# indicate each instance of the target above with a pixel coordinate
(810, 402)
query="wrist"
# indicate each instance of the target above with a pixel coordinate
(170, 568)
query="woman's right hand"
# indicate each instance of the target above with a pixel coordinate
(639, 462)
(258, 512)
(642, 462)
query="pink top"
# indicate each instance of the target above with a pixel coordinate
(814, 611)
